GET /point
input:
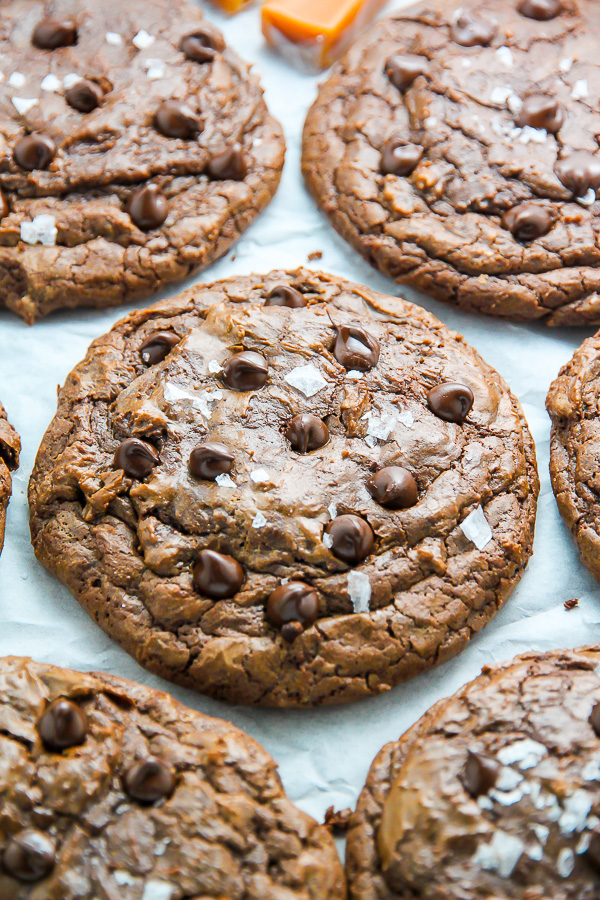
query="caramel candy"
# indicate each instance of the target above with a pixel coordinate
(314, 33)
(232, 6)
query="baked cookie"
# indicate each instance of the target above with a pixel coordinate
(455, 148)
(286, 490)
(10, 447)
(136, 148)
(494, 793)
(114, 790)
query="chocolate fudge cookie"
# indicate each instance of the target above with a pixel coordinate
(136, 147)
(113, 790)
(572, 403)
(286, 490)
(10, 447)
(494, 793)
(456, 148)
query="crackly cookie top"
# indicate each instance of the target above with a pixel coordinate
(456, 147)
(278, 476)
(111, 789)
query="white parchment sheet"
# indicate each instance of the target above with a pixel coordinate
(323, 754)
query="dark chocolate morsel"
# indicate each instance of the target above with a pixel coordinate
(542, 10)
(176, 120)
(292, 608)
(393, 487)
(355, 349)
(29, 855)
(351, 538)
(528, 221)
(148, 207)
(158, 346)
(228, 166)
(595, 718)
(149, 780)
(579, 172)
(62, 725)
(137, 458)
(403, 68)
(450, 401)
(216, 575)
(246, 371)
(399, 157)
(470, 29)
(307, 432)
(34, 151)
(285, 295)
(542, 112)
(202, 45)
(210, 460)
(480, 773)
(85, 96)
(50, 34)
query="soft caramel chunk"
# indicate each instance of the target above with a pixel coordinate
(232, 6)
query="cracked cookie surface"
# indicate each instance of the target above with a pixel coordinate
(136, 148)
(287, 505)
(10, 447)
(456, 148)
(114, 790)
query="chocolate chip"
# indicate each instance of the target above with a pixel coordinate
(216, 575)
(451, 402)
(50, 34)
(202, 46)
(355, 349)
(543, 112)
(34, 151)
(147, 207)
(157, 347)
(352, 538)
(245, 371)
(85, 96)
(29, 855)
(306, 432)
(284, 295)
(63, 725)
(595, 719)
(469, 29)
(137, 458)
(176, 120)
(292, 608)
(393, 487)
(480, 773)
(228, 166)
(208, 461)
(579, 172)
(403, 68)
(528, 221)
(149, 780)
(399, 157)
(540, 9)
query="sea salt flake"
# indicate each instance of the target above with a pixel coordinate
(259, 520)
(42, 230)
(143, 40)
(379, 427)
(156, 70)
(71, 80)
(500, 94)
(566, 64)
(225, 481)
(508, 798)
(259, 476)
(508, 779)
(531, 135)
(476, 529)
(581, 90)
(501, 855)
(161, 848)
(306, 379)
(542, 833)
(515, 104)
(122, 877)
(51, 83)
(354, 375)
(484, 802)
(588, 198)
(157, 890)
(583, 843)
(332, 510)
(17, 79)
(577, 808)
(505, 56)
(535, 852)
(473, 454)
(406, 418)
(591, 770)
(526, 753)
(214, 366)
(327, 540)
(23, 104)
(114, 39)
(466, 63)
(359, 589)
(565, 862)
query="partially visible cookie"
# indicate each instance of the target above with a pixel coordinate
(136, 148)
(455, 147)
(494, 793)
(10, 447)
(114, 790)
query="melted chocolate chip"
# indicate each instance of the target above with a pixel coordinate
(85, 96)
(29, 855)
(137, 458)
(307, 432)
(208, 461)
(595, 719)
(393, 487)
(451, 402)
(528, 221)
(148, 207)
(352, 538)
(176, 120)
(480, 774)
(543, 112)
(228, 166)
(469, 30)
(292, 608)
(217, 576)
(201, 46)
(579, 172)
(246, 371)
(50, 34)
(403, 68)
(149, 780)
(157, 347)
(355, 349)
(284, 295)
(542, 10)
(398, 157)
(34, 151)
(63, 725)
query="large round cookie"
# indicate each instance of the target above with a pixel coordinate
(352, 521)
(494, 793)
(10, 447)
(113, 790)
(146, 168)
(455, 147)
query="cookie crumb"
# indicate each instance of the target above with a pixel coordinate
(337, 821)
(571, 604)
(315, 255)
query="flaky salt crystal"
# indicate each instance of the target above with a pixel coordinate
(122, 877)
(588, 198)
(157, 890)
(51, 83)
(42, 230)
(500, 94)
(565, 862)
(406, 418)
(577, 808)
(505, 56)
(327, 540)
(476, 529)
(259, 520)
(501, 855)
(114, 39)
(332, 510)
(23, 104)
(225, 481)
(17, 79)
(359, 589)
(71, 80)
(214, 366)
(259, 476)
(526, 753)
(143, 40)
(306, 379)
(581, 90)
(566, 64)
